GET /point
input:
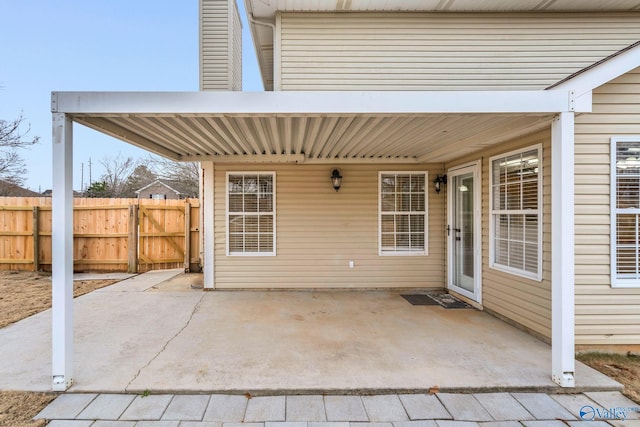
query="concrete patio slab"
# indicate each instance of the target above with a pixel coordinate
(286, 424)
(107, 407)
(422, 423)
(226, 408)
(502, 406)
(130, 337)
(448, 423)
(147, 407)
(201, 424)
(266, 408)
(186, 407)
(66, 406)
(542, 406)
(70, 423)
(464, 407)
(345, 408)
(384, 408)
(573, 402)
(424, 407)
(614, 399)
(501, 424)
(305, 408)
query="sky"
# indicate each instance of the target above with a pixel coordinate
(80, 45)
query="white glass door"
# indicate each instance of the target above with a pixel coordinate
(463, 190)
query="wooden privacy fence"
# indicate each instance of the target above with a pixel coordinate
(108, 234)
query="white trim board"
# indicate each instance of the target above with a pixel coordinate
(330, 102)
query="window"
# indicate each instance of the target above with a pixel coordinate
(402, 213)
(625, 212)
(515, 226)
(251, 213)
(157, 196)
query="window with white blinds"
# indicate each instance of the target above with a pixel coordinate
(402, 213)
(251, 213)
(625, 212)
(516, 213)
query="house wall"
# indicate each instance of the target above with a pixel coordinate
(604, 315)
(320, 230)
(526, 302)
(422, 51)
(220, 45)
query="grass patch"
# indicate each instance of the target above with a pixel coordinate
(17, 408)
(623, 368)
(25, 293)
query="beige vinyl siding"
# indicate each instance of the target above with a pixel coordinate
(320, 230)
(524, 301)
(440, 51)
(604, 315)
(220, 31)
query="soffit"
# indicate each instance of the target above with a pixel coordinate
(312, 138)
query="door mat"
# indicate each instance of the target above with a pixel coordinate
(449, 301)
(419, 299)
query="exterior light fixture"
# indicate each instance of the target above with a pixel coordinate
(439, 181)
(336, 179)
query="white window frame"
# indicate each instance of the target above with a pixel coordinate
(539, 212)
(424, 252)
(227, 213)
(617, 282)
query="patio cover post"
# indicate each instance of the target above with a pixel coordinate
(208, 182)
(62, 253)
(562, 248)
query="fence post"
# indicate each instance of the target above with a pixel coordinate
(187, 236)
(132, 244)
(36, 238)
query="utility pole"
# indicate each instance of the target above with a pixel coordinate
(90, 172)
(81, 177)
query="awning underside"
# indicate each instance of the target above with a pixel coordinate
(314, 137)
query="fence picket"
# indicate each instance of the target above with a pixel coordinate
(107, 234)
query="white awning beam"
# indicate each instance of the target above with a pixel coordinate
(315, 103)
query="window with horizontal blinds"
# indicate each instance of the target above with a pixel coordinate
(516, 212)
(625, 211)
(251, 213)
(402, 213)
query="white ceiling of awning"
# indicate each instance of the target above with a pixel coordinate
(314, 138)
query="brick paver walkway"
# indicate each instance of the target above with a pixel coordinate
(589, 409)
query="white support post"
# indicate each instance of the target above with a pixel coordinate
(62, 253)
(562, 247)
(207, 226)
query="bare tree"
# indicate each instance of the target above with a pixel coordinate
(183, 176)
(117, 170)
(13, 136)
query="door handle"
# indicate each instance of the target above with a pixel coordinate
(457, 230)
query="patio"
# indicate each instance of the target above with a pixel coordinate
(147, 333)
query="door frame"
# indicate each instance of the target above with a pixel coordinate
(476, 168)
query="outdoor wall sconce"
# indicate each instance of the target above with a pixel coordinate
(439, 181)
(336, 179)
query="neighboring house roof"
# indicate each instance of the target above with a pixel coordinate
(157, 182)
(9, 189)
(260, 12)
